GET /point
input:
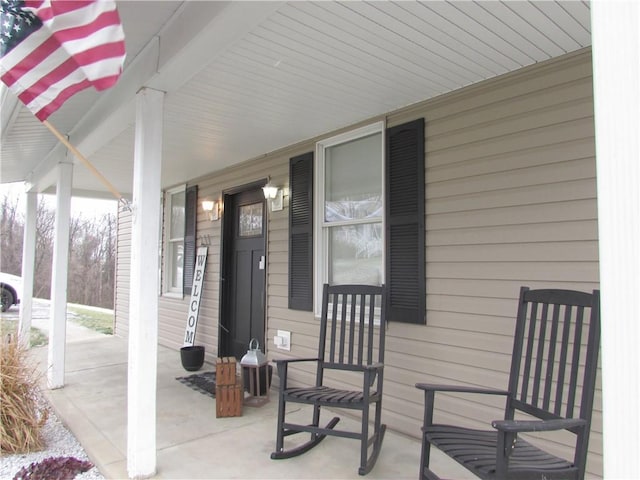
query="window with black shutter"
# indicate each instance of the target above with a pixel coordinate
(404, 236)
(405, 227)
(190, 225)
(301, 232)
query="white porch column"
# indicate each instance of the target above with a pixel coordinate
(143, 304)
(616, 75)
(58, 312)
(28, 267)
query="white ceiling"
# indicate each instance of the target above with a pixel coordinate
(245, 78)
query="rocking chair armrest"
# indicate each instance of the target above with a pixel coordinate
(459, 389)
(355, 368)
(282, 365)
(374, 366)
(292, 360)
(515, 426)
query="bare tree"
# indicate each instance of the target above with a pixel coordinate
(11, 226)
(92, 251)
(45, 230)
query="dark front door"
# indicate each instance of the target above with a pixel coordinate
(243, 272)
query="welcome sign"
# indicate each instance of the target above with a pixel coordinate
(196, 294)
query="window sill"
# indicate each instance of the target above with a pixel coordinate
(176, 295)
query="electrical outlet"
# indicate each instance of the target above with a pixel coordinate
(282, 340)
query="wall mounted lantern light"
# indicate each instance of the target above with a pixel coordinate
(274, 196)
(270, 191)
(212, 208)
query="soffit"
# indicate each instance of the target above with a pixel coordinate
(302, 69)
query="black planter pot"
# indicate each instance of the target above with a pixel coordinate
(192, 357)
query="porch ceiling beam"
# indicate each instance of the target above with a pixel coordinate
(196, 36)
(182, 58)
(110, 116)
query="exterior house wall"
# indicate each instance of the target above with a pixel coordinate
(123, 272)
(510, 201)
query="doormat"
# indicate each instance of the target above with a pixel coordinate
(204, 382)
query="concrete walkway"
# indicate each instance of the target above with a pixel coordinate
(40, 314)
(191, 442)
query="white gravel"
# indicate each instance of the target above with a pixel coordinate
(59, 442)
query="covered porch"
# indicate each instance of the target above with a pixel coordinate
(244, 80)
(191, 441)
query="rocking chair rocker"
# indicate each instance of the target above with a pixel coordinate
(351, 342)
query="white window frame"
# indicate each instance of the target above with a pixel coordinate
(320, 227)
(168, 289)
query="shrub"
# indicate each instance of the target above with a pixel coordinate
(22, 415)
(53, 468)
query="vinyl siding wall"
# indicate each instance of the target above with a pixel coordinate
(510, 201)
(123, 272)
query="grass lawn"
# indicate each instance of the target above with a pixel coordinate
(94, 319)
(37, 338)
(98, 320)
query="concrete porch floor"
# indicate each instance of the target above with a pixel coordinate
(191, 442)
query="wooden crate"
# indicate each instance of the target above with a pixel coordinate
(226, 371)
(229, 400)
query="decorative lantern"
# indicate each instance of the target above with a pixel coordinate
(252, 363)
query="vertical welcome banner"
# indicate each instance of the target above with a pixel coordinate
(196, 294)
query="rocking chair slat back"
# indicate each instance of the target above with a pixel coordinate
(549, 373)
(351, 320)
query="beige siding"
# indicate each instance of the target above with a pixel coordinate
(173, 311)
(123, 272)
(511, 201)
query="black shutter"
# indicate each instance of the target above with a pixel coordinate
(190, 224)
(301, 232)
(405, 229)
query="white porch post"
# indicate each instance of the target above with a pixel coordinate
(143, 306)
(28, 267)
(58, 315)
(616, 75)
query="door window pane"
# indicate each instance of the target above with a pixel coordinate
(250, 220)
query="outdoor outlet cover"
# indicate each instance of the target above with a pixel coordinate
(283, 340)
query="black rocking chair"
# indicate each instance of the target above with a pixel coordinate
(552, 382)
(352, 331)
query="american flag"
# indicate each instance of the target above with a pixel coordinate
(52, 49)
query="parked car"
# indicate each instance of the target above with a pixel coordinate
(10, 290)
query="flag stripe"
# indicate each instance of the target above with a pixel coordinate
(52, 60)
(104, 20)
(74, 78)
(62, 97)
(48, 85)
(80, 44)
(29, 53)
(46, 10)
(60, 72)
(54, 91)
